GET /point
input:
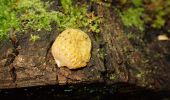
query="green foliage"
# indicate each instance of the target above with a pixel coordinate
(76, 17)
(158, 22)
(34, 38)
(137, 3)
(152, 12)
(34, 15)
(113, 77)
(160, 9)
(8, 18)
(23, 15)
(132, 18)
(73, 16)
(67, 5)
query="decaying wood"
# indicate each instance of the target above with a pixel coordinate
(114, 60)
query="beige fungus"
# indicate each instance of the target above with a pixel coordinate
(72, 49)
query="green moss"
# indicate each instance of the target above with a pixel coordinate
(8, 18)
(132, 18)
(75, 16)
(113, 77)
(34, 38)
(139, 13)
(101, 53)
(137, 3)
(158, 22)
(23, 15)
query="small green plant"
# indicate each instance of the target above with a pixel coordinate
(34, 14)
(34, 38)
(8, 18)
(140, 13)
(158, 22)
(23, 15)
(73, 16)
(76, 17)
(113, 77)
(132, 18)
(137, 3)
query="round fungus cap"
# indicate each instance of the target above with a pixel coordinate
(72, 49)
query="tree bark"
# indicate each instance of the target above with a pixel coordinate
(114, 60)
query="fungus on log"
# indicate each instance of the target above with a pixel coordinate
(72, 49)
(113, 60)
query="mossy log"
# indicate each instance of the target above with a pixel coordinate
(114, 60)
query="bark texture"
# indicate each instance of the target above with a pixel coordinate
(114, 60)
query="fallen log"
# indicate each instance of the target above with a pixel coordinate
(114, 60)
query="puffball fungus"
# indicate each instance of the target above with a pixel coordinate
(72, 49)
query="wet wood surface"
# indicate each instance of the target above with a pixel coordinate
(114, 60)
